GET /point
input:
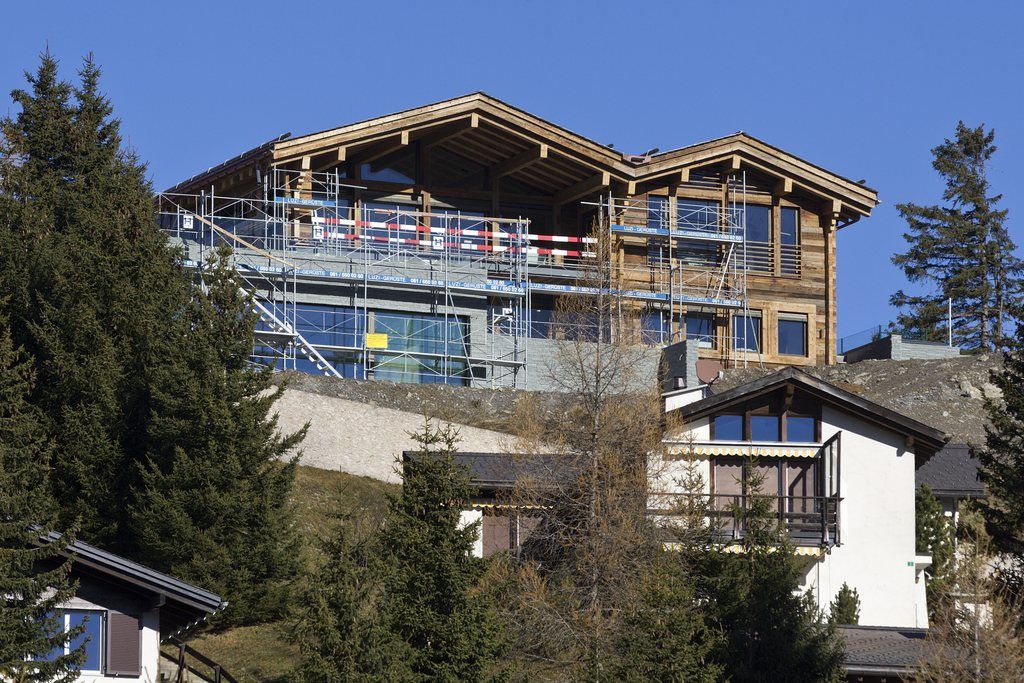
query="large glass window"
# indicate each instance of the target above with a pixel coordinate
(760, 255)
(429, 337)
(800, 429)
(728, 427)
(759, 223)
(338, 333)
(399, 171)
(747, 331)
(657, 212)
(792, 334)
(765, 428)
(789, 238)
(700, 326)
(697, 214)
(90, 639)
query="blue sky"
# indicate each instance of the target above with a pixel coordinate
(863, 88)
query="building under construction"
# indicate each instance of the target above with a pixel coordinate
(431, 245)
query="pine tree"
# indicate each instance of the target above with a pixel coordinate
(962, 249)
(845, 607)
(1002, 465)
(94, 289)
(934, 537)
(664, 635)
(212, 503)
(339, 631)
(431, 598)
(34, 579)
(772, 631)
(405, 602)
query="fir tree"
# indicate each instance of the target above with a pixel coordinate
(934, 537)
(1002, 465)
(431, 597)
(405, 603)
(34, 579)
(962, 249)
(212, 505)
(339, 631)
(94, 289)
(664, 635)
(772, 631)
(845, 607)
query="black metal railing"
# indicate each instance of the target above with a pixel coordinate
(809, 520)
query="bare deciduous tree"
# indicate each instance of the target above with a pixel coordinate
(587, 482)
(976, 632)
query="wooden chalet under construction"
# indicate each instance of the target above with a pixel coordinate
(431, 244)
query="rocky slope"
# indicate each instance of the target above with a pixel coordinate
(948, 394)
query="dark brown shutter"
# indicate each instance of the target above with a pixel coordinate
(495, 534)
(124, 645)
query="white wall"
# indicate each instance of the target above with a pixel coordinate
(876, 518)
(876, 522)
(467, 517)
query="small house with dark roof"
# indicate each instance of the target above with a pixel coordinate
(127, 610)
(842, 468)
(953, 476)
(878, 654)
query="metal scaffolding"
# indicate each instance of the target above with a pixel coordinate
(411, 280)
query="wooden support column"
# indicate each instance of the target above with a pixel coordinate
(830, 219)
(496, 211)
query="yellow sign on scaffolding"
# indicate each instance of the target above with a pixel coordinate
(376, 340)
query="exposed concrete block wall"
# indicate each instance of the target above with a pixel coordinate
(894, 347)
(544, 357)
(680, 363)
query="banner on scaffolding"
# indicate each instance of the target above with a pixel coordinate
(376, 340)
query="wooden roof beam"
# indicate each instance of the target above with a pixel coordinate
(520, 161)
(526, 158)
(583, 188)
(783, 187)
(386, 147)
(450, 131)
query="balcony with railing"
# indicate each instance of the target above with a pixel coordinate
(795, 485)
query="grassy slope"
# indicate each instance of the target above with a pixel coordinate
(263, 653)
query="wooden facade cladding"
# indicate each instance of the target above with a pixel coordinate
(478, 154)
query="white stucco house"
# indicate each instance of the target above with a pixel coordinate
(843, 470)
(841, 467)
(127, 610)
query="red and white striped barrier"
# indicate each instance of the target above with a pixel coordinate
(465, 232)
(463, 246)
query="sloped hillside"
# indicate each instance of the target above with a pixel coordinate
(948, 394)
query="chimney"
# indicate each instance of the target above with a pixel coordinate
(680, 384)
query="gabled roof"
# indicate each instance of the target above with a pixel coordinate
(517, 131)
(491, 471)
(953, 471)
(182, 602)
(929, 437)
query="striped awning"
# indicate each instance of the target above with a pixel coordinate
(745, 450)
(490, 505)
(735, 549)
(804, 551)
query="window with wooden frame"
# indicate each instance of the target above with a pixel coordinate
(779, 418)
(789, 240)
